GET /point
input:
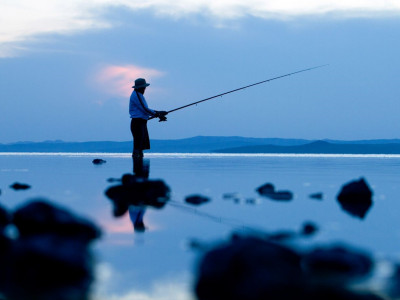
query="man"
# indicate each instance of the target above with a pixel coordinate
(140, 113)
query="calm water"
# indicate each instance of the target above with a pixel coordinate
(158, 264)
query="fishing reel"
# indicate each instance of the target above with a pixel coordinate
(161, 115)
(162, 118)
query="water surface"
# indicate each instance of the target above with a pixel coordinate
(158, 264)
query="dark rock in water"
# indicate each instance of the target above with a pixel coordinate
(196, 199)
(282, 195)
(137, 191)
(251, 201)
(249, 268)
(356, 198)
(252, 268)
(230, 195)
(111, 180)
(20, 186)
(309, 229)
(281, 236)
(266, 189)
(317, 196)
(50, 258)
(337, 264)
(356, 191)
(98, 161)
(5, 218)
(41, 217)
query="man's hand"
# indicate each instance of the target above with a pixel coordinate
(161, 115)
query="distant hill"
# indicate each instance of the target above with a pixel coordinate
(319, 147)
(212, 144)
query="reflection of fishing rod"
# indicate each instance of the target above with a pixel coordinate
(222, 220)
(238, 89)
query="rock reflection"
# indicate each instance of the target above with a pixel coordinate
(136, 192)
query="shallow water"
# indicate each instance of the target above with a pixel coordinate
(159, 264)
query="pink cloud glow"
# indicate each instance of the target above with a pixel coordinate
(118, 80)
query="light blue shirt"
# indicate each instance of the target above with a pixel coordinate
(138, 107)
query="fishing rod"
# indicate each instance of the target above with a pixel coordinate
(238, 89)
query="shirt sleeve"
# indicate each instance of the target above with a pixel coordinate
(143, 105)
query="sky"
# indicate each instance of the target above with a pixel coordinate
(67, 68)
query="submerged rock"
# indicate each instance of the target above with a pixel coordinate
(309, 229)
(98, 161)
(20, 186)
(50, 257)
(5, 218)
(268, 190)
(41, 217)
(337, 264)
(355, 198)
(196, 199)
(317, 196)
(248, 268)
(253, 268)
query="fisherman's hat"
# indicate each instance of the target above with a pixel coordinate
(140, 83)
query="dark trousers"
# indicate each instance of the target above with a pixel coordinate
(140, 134)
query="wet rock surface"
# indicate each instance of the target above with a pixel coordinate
(249, 267)
(317, 196)
(197, 199)
(98, 161)
(41, 217)
(355, 198)
(20, 186)
(50, 257)
(268, 190)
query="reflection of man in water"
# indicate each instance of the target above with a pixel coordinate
(140, 113)
(141, 170)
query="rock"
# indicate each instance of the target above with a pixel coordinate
(230, 196)
(50, 258)
(356, 198)
(196, 199)
(20, 186)
(137, 191)
(309, 229)
(266, 189)
(281, 195)
(42, 217)
(5, 218)
(356, 191)
(337, 264)
(98, 161)
(252, 268)
(111, 180)
(248, 268)
(317, 196)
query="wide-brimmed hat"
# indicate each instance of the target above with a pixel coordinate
(140, 83)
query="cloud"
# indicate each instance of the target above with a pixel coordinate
(24, 20)
(117, 80)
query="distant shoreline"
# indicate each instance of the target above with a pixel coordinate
(217, 145)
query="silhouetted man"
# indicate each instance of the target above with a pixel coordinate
(140, 113)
